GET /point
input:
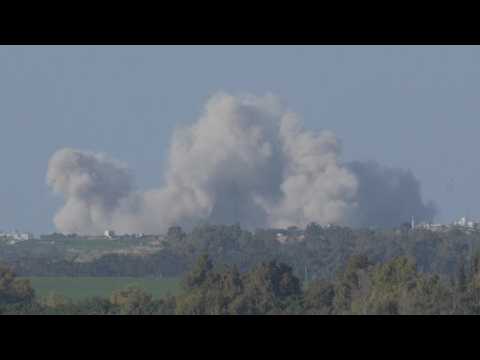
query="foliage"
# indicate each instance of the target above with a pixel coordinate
(322, 251)
(350, 271)
(13, 290)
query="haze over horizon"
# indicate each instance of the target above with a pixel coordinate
(406, 107)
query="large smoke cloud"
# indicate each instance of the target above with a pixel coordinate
(92, 184)
(248, 160)
(387, 196)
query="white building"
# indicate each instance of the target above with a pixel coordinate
(465, 223)
(109, 234)
(432, 227)
(282, 237)
(16, 236)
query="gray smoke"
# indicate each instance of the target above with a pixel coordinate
(388, 196)
(248, 160)
(93, 186)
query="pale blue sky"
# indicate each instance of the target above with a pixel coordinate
(415, 107)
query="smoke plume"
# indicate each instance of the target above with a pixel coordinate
(387, 196)
(247, 159)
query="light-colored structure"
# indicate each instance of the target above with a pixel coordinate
(285, 236)
(16, 236)
(109, 234)
(282, 237)
(465, 223)
(432, 227)
(462, 224)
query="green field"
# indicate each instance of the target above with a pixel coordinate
(77, 288)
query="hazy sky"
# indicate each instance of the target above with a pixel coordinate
(414, 107)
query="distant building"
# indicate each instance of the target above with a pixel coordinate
(109, 234)
(465, 223)
(291, 234)
(462, 224)
(432, 227)
(16, 236)
(282, 237)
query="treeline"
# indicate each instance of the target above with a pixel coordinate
(363, 287)
(319, 254)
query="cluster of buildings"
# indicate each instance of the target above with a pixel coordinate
(461, 224)
(15, 236)
(292, 234)
(282, 235)
(110, 234)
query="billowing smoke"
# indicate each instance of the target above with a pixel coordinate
(92, 184)
(387, 196)
(248, 160)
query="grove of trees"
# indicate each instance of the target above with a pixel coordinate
(363, 287)
(321, 252)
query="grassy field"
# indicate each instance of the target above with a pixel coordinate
(77, 288)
